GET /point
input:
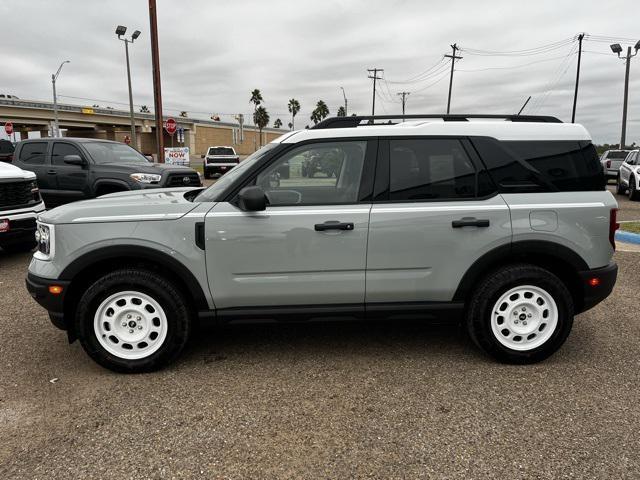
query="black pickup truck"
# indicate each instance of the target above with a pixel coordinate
(70, 169)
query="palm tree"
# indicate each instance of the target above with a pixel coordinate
(144, 109)
(294, 108)
(184, 113)
(290, 126)
(256, 98)
(277, 123)
(261, 119)
(320, 112)
(342, 112)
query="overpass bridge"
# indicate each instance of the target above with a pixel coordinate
(113, 124)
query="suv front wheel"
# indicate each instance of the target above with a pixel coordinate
(520, 314)
(132, 321)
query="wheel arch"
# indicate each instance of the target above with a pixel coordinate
(110, 182)
(91, 265)
(558, 259)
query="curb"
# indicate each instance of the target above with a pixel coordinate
(628, 237)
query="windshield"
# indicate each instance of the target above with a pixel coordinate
(221, 151)
(619, 154)
(212, 193)
(105, 152)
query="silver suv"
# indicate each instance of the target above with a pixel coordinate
(503, 224)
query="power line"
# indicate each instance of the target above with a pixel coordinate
(525, 52)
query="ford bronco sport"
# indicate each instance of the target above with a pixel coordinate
(503, 224)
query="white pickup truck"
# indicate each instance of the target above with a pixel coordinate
(219, 160)
(20, 204)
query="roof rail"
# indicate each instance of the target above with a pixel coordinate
(368, 120)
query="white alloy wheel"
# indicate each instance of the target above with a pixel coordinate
(524, 318)
(130, 325)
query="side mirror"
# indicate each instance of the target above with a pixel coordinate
(74, 160)
(252, 199)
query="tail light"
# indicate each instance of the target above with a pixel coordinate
(608, 163)
(613, 226)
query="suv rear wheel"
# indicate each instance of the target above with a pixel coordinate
(620, 188)
(520, 314)
(633, 192)
(132, 321)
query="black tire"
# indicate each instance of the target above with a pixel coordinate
(207, 175)
(620, 189)
(633, 192)
(489, 291)
(161, 290)
(19, 247)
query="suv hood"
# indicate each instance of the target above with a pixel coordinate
(9, 171)
(134, 206)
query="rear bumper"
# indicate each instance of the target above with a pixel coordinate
(611, 173)
(38, 287)
(220, 168)
(593, 293)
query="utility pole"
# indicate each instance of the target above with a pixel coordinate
(157, 91)
(575, 94)
(374, 77)
(120, 31)
(453, 58)
(616, 48)
(345, 101)
(54, 77)
(404, 99)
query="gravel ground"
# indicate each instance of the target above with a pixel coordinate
(377, 400)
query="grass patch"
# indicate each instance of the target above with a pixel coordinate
(633, 227)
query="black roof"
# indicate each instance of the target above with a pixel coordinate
(73, 139)
(367, 120)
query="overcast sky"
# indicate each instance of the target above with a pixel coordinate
(213, 53)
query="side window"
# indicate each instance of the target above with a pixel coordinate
(33, 153)
(315, 174)
(61, 150)
(633, 158)
(430, 169)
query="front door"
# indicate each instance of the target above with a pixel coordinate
(436, 216)
(627, 167)
(309, 246)
(72, 179)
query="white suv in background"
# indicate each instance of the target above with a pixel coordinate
(629, 176)
(20, 203)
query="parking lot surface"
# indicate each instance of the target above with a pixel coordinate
(376, 400)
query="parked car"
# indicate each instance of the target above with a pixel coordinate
(629, 176)
(505, 227)
(611, 161)
(219, 160)
(6, 151)
(20, 203)
(70, 169)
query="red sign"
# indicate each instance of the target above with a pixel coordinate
(127, 139)
(171, 126)
(8, 127)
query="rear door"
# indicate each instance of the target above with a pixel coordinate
(32, 156)
(71, 180)
(435, 213)
(309, 246)
(627, 166)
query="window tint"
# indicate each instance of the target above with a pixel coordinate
(315, 174)
(632, 160)
(60, 150)
(567, 165)
(534, 166)
(33, 153)
(430, 169)
(617, 154)
(221, 151)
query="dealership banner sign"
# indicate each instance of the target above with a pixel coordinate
(176, 156)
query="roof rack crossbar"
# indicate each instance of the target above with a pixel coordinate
(357, 121)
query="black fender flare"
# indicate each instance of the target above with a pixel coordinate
(527, 250)
(110, 182)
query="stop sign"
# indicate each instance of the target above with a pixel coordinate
(8, 127)
(171, 126)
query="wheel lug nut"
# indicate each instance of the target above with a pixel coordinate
(529, 315)
(139, 327)
(524, 309)
(524, 322)
(138, 318)
(131, 330)
(124, 324)
(128, 316)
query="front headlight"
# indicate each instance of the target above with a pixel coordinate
(146, 177)
(44, 238)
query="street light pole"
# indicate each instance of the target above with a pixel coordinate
(345, 101)
(54, 77)
(616, 48)
(120, 31)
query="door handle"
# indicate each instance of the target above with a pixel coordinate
(333, 225)
(469, 222)
(51, 172)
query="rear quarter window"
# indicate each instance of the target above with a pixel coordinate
(33, 153)
(539, 166)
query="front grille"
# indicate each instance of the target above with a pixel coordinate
(178, 180)
(23, 224)
(18, 193)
